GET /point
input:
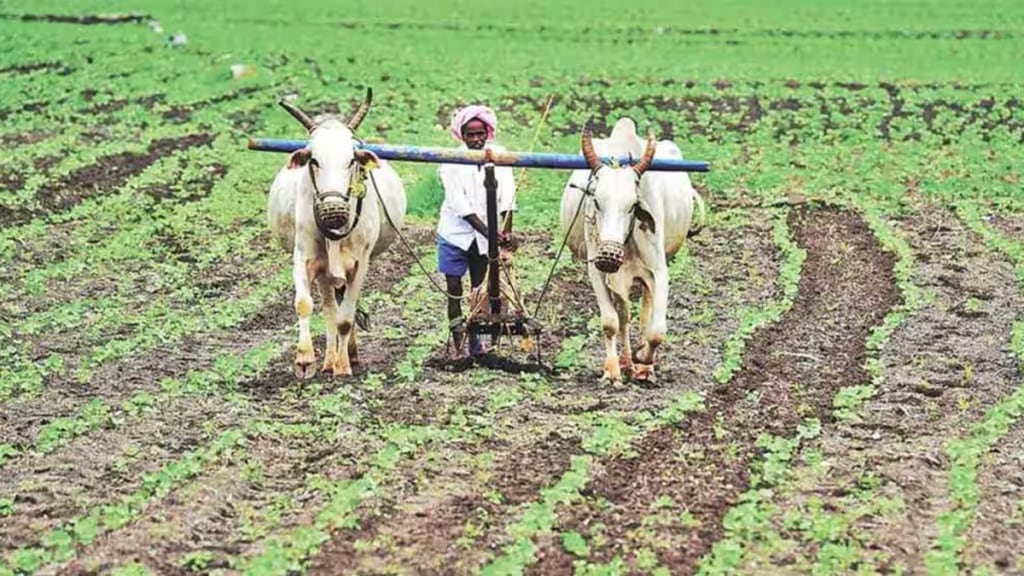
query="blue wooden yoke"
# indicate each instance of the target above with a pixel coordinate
(479, 157)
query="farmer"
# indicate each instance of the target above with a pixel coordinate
(462, 226)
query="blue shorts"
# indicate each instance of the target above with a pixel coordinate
(454, 261)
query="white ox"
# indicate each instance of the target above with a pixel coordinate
(328, 168)
(630, 224)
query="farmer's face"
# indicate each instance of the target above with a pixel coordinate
(474, 134)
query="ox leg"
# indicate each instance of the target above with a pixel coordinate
(646, 305)
(346, 318)
(305, 357)
(353, 348)
(330, 325)
(654, 328)
(626, 353)
(609, 325)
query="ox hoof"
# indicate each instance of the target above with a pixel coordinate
(612, 372)
(643, 373)
(305, 358)
(305, 370)
(341, 371)
(612, 378)
(645, 355)
(328, 366)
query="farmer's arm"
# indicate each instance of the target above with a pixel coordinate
(476, 223)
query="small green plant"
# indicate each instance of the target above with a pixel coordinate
(719, 427)
(849, 399)
(974, 306)
(6, 507)
(6, 452)
(132, 569)
(609, 435)
(252, 472)
(197, 561)
(504, 399)
(575, 544)
(570, 350)
(689, 402)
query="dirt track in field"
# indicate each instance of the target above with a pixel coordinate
(790, 372)
(105, 174)
(417, 527)
(945, 367)
(996, 536)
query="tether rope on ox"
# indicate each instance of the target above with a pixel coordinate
(517, 300)
(405, 242)
(558, 256)
(508, 215)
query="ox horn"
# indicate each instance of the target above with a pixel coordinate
(299, 115)
(588, 151)
(645, 162)
(360, 113)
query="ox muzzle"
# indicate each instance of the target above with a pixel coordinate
(332, 212)
(609, 257)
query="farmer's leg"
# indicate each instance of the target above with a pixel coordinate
(477, 266)
(453, 263)
(454, 297)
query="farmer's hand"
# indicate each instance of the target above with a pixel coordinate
(507, 242)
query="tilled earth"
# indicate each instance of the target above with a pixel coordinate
(448, 506)
(154, 418)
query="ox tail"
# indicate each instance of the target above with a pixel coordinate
(702, 220)
(362, 319)
(362, 316)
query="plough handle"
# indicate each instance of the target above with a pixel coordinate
(494, 274)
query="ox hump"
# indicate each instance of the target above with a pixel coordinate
(624, 128)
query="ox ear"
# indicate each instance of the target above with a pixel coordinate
(367, 158)
(644, 216)
(299, 158)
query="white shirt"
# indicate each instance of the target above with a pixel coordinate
(464, 194)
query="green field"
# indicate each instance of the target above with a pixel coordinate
(840, 392)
